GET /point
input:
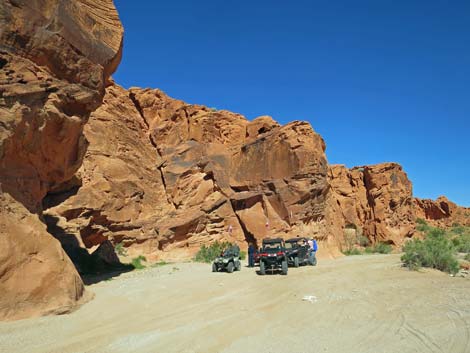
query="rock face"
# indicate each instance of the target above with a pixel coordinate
(55, 57)
(163, 177)
(376, 199)
(441, 212)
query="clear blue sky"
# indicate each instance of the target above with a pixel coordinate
(380, 80)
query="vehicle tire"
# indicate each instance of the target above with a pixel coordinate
(296, 261)
(230, 267)
(284, 267)
(310, 260)
(262, 269)
(214, 268)
(238, 266)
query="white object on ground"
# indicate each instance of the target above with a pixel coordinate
(310, 298)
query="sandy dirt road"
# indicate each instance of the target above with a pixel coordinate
(358, 304)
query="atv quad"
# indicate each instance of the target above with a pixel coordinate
(297, 251)
(228, 261)
(273, 256)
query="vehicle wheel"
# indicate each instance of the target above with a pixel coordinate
(296, 262)
(238, 266)
(230, 267)
(214, 268)
(284, 267)
(262, 269)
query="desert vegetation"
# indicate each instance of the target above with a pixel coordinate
(355, 243)
(210, 252)
(438, 249)
(137, 262)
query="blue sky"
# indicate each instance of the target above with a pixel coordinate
(379, 80)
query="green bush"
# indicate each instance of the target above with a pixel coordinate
(435, 251)
(137, 262)
(462, 243)
(120, 249)
(379, 248)
(209, 253)
(382, 248)
(460, 236)
(242, 255)
(353, 251)
(467, 257)
(363, 240)
(422, 225)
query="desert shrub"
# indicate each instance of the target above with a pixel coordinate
(460, 237)
(353, 251)
(421, 221)
(379, 248)
(422, 225)
(363, 240)
(462, 243)
(435, 251)
(137, 262)
(383, 248)
(467, 257)
(242, 255)
(350, 238)
(120, 249)
(353, 237)
(209, 253)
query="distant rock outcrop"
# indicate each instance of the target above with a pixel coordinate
(441, 212)
(377, 199)
(55, 57)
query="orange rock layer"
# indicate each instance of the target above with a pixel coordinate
(55, 57)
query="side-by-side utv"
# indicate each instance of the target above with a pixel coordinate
(273, 256)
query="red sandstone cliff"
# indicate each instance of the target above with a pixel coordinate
(441, 212)
(163, 177)
(55, 57)
(160, 176)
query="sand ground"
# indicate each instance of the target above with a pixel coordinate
(357, 304)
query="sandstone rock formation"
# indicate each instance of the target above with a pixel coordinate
(55, 57)
(376, 199)
(441, 212)
(163, 177)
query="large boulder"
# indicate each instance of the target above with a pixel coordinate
(55, 59)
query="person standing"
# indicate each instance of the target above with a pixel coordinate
(251, 255)
(313, 247)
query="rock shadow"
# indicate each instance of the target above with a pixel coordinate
(103, 264)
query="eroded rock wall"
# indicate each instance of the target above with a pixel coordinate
(375, 199)
(164, 177)
(441, 212)
(55, 57)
